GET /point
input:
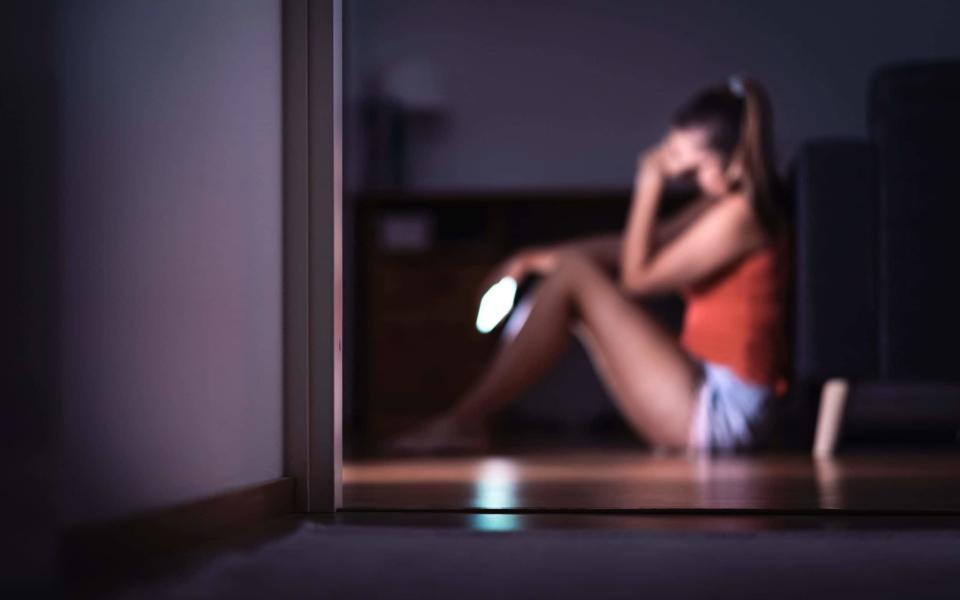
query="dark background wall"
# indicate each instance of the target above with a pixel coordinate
(170, 163)
(553, 93)
(28, 271)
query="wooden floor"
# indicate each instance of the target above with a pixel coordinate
(627, 480)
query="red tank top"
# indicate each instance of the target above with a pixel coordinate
(738, 317)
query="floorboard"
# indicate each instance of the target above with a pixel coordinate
(627, 480)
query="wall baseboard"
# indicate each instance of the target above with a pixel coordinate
(113, 545)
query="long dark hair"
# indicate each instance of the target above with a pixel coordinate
(738, 119)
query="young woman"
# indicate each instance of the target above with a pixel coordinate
(726, 254)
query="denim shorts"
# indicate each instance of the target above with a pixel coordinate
(730, 414)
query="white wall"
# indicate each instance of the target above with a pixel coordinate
(171, 186)
(553, 93)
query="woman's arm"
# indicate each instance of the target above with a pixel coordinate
(606, 249)
(638, 240)
(668, 230)
(722, 234)
(706, 237)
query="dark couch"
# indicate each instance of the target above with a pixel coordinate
(877, 293)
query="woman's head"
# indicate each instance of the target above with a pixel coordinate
(724, 136)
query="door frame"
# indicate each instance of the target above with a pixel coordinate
(312, 34)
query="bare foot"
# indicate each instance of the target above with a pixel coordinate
(441, 435)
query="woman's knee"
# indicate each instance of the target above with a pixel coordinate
(573, 263)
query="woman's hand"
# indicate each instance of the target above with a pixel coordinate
(516, 266)
(639, 237)
(651, 170)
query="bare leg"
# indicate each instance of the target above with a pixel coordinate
(651, 378)
(517, 364)
(540, 342)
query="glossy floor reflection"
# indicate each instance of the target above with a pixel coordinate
(619, 480)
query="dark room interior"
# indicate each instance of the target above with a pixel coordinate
(250, 244)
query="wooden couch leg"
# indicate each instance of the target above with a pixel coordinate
(833, 399)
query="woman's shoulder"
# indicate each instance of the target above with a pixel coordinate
(738, 212)
(739, 207)
(736, 207)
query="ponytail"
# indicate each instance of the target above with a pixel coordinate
(755, 153)
(739, 124)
